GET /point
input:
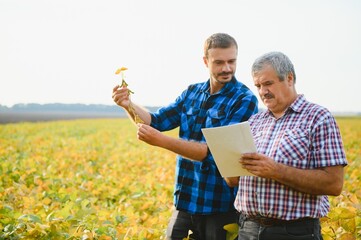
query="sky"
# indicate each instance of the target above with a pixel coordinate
(67, 51)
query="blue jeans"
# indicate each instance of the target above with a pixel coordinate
(203, 227)
(305, 230)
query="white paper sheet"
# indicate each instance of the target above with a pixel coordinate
(226, 144)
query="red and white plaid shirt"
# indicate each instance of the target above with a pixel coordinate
(306, 137)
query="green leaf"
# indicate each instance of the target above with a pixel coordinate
(346, 213)
(232, 231)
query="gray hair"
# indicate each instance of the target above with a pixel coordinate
(278, 61)
(219, 40)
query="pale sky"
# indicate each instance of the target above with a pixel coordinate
(67, 51)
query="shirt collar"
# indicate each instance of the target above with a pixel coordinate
(296, 106)
(226, 88)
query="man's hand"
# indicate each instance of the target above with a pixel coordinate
(150, 135)
(259, 164)
(121, 96)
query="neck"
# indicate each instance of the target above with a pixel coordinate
(215, 86)
(278, 113)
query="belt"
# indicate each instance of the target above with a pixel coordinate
(265, 221)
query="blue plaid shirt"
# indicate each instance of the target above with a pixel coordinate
(199, 187)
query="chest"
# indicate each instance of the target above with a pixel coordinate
(288, 142)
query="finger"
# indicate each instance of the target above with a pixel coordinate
(249, 156)
(249, 162)
(140, 130)
(139, 137)
(140, 133)
(114, 95)
(246, 155)
(115, 88)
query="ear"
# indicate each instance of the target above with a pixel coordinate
(205, 60)
(290, 79)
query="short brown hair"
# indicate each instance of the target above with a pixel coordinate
(219, 40)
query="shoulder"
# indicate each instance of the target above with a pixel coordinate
(316, 112)
(194, 89)
(241, 86)
(309, 111)
(198, 85)
(260, 116)
(242, 91)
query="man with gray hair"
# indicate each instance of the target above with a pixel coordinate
(298, 163)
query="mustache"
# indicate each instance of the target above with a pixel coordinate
(224, 73)
(268, 96)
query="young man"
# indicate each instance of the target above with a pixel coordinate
(203, 201)
(299, 160)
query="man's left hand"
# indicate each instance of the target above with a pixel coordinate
(259, 164)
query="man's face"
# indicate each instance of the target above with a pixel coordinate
(221, 63)
(275, 94)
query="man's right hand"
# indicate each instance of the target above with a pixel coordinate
(121, 96)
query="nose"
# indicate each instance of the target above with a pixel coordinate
(226, 67)
(262, 90)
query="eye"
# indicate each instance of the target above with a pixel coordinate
(268, 83)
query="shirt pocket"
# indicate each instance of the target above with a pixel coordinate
(293, 148)
(215, 118)
(189, 117)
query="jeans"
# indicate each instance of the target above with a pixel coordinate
(305, 230)
(203, 227)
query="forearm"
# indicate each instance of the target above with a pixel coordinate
(325, 181)
(135, 111)
(192, 150)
